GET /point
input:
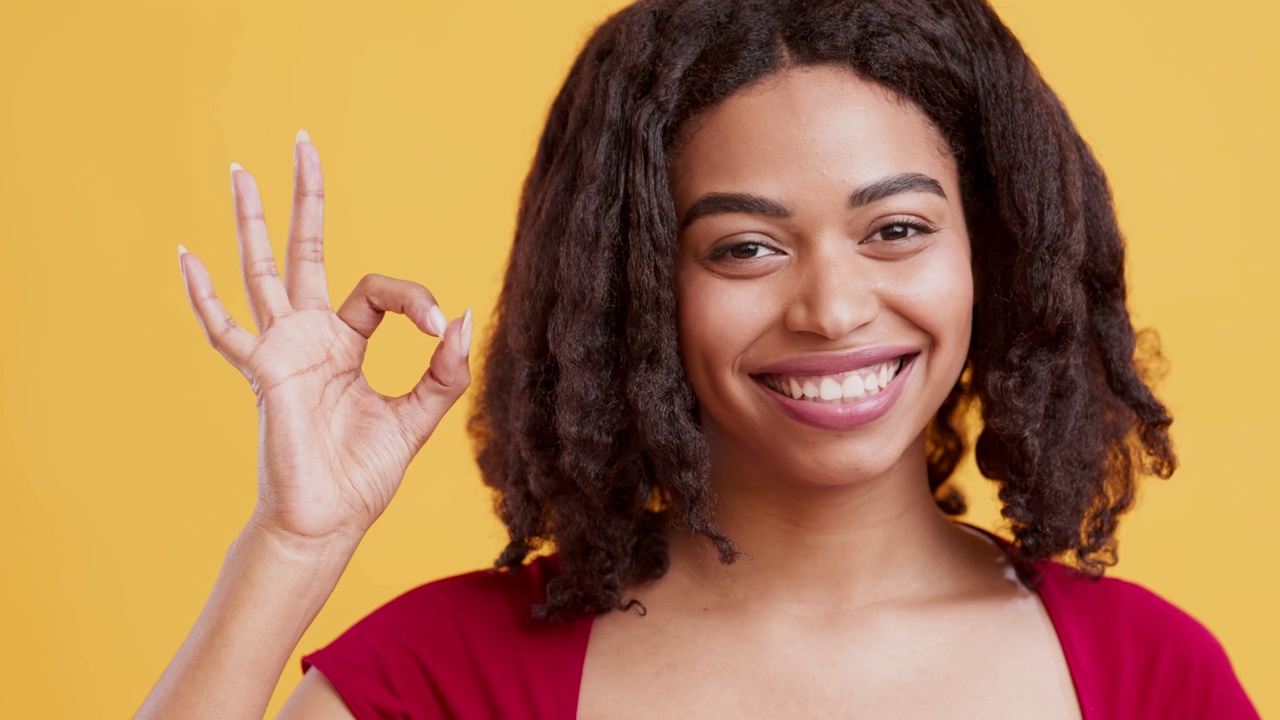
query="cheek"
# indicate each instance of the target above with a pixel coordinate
(938, 298)
(705, 326)
(694, 312)
(717, 321)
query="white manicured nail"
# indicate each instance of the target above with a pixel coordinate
(466, 333)
(437, 321)
(235, 166)
(302, 136)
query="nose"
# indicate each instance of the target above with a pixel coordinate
(834, 294)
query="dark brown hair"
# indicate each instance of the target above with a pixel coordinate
(585, 424)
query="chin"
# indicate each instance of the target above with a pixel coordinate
(845, 462)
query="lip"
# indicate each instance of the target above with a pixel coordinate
(842, 416)
(836, 363)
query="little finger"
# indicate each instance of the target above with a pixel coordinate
(221, 330)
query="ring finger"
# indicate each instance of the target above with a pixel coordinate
(267, 297)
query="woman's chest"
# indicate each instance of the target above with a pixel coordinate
(1006, 664)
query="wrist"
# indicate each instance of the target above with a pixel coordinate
(295, 547)
(292, 550)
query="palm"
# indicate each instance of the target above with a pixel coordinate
(332, 451)
(330, 442)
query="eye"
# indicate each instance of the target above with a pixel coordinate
(899, 229)
(741, 251)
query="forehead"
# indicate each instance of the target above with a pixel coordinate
(803, 127)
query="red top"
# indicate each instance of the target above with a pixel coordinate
(466, 647)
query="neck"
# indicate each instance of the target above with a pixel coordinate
(815, 549)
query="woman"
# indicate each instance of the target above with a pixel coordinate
(770, 258)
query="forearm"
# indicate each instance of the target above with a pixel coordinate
(265, 598)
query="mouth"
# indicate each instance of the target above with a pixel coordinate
(840, 388)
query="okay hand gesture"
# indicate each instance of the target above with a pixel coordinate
(332, 451)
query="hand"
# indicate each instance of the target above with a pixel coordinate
(332, 451)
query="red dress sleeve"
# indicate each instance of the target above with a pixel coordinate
(1134, 654)
(465, 646)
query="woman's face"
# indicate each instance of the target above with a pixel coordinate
(824, 284)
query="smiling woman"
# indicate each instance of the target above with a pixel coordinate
(771, 255)
(861, 279)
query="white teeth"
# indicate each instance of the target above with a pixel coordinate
(853, 386)
(840, 386)
(872, 382)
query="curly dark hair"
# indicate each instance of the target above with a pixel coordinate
(586, 426)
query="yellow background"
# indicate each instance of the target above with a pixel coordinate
(128, 446)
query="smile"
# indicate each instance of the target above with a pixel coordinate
(836, 388)
(822, 393)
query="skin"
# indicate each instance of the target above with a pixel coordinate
(856, 588)
(857, 597)
(332, 451)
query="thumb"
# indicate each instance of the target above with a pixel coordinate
(446, 378)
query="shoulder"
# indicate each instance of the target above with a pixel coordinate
(463, 645)
(1114, 607)
(1127, 642)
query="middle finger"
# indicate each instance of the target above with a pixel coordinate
(304, 256)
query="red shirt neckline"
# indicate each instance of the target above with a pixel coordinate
(1066, 641)
(468, 646)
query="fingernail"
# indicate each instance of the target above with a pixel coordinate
(235, 166)
(181, 251)
(436, 318)
(297, 140)
(466, 333)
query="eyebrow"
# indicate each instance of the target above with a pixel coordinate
(724, 203)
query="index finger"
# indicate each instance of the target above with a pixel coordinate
(304, 255)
